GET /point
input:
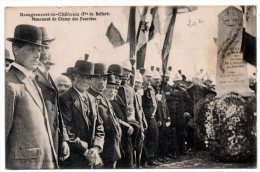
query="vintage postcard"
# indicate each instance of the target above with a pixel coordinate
(130, 87)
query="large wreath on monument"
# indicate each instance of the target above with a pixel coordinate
(233, 123)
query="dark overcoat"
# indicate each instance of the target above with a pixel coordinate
(79, 121)
(51, 99)
(111, 151)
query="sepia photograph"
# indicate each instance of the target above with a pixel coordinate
(130, 87)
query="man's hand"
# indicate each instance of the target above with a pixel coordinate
(65, 151)
(92, 155)
(130, 130)
(82, 145)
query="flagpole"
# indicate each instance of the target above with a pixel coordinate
(167, 44)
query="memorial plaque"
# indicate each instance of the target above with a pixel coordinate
(231, 69)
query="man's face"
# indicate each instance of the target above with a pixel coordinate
(118, 79)
(45, 53)
(126, 74)
(156, 81)
(99, 83)
(28, 56)
(147, 79)
(81, 82)
(110, 91)
(138, 85)
(63, 86)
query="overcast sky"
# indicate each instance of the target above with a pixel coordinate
(193, 45)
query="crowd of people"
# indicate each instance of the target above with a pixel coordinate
(93, 115)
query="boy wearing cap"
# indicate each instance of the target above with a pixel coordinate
(29, 143)
(83, 122)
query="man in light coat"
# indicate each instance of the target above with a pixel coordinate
(29, 143)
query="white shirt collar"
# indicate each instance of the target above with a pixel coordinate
(25, 71)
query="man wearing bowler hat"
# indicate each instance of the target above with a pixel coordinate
(82, 120)
(127, 130)
(111, 153)
(29, 143)
(51, 98)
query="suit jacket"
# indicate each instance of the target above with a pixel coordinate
(51, 98)
(28, 137)
(79, 121)
(126, 94)
(127, 148)
(112, 128)
(149, 102)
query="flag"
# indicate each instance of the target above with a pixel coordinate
(142, 30)
(140, 57)
(141, 40)
(168, 40)
(249, 35)
(114, 36)
(155, 24)
(131, 38)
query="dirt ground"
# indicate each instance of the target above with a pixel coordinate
(201, 160)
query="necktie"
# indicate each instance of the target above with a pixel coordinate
(86, 110)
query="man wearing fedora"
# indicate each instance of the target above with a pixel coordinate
(51, 98)
(29, 143)
(83, 122)
(111, 152)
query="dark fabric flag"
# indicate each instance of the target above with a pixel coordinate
(131, 32)
(141, 40)
(249, 48)
(142, 30)
(249, 34)
(155, 24)
(114, 36)
(168, 40)
(141, 57)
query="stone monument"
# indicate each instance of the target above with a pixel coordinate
(231, 73)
